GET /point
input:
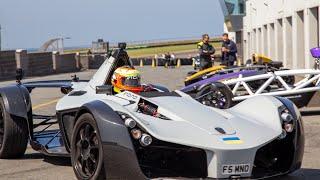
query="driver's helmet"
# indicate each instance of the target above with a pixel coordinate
(126, 79)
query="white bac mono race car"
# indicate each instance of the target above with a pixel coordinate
(152, 134)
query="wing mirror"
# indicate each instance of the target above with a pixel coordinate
(104, 89)
(65, 89)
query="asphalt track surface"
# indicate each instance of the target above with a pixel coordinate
(36, 166)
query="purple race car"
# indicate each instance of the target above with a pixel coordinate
(215, 89)
(221, 94)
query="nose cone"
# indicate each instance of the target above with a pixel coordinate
(198, 115)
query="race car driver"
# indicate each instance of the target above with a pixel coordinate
(128, 79)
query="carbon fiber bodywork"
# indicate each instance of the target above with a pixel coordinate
(18, 103)
(16, 99)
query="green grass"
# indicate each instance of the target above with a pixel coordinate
(161, 50)
(143, 52)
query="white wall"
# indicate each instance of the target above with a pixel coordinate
(232, 35)
(279, 44)
(289, 28)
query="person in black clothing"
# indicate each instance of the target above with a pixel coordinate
(229, 51)
(205, 52)
(168, 59)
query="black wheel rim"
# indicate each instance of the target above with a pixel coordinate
(214, 98)
(86, 151)
(1, 127)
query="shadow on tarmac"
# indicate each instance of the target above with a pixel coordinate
(59, 161)
(302, 174)
(310, 113)
(33, 156)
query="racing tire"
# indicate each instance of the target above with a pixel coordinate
(255, 85)
(86, 149)
(13, 134)
(216, 95)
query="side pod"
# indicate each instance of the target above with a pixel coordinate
(120, 161)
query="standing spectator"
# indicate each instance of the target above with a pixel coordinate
(205, 52)
(89, 52)
(167, 59)
(229, 51)
(172, 60)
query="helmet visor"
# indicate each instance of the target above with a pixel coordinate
(132, 81)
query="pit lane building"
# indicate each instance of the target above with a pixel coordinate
(284, 30)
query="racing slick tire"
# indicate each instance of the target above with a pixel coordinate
(86, 149)
(255, 85)
(13, 134)
(216, 95)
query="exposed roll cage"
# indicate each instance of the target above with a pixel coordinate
(310, 83)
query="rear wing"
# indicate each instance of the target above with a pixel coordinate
(65, 86)
(50, 84)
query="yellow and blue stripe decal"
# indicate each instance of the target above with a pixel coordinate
(232, 140)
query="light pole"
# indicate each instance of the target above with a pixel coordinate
(62, 42)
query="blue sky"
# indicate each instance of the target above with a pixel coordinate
(29, 23)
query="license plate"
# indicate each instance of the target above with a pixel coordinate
(236, 169)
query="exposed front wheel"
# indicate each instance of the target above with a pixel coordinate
(86, 149)
(218, 96)
(13, 134)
